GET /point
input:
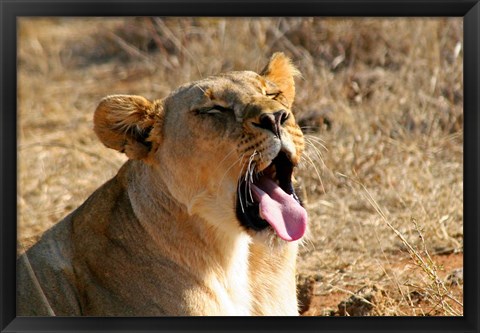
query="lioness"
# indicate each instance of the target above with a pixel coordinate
(201, 220)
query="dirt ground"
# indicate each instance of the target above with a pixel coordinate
(381, 105)
(372, 299)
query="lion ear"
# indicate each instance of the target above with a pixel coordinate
(126, 123)
(282, 72)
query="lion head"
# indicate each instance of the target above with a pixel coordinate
(224, 147)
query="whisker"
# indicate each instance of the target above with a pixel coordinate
(306, 128)
(246, 187)
(243, 200)
(312, 144)
(315, 137)
(317, 152)
(238, 184)
(240, 198)
(259, 174)
(248, 172)
(317, 140)
(225, 173)
(226, 156)
(307, 244)
(251, 181)
(316, 170)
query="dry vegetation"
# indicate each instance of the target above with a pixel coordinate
(382, 105)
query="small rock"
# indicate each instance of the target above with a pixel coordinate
(361, 303)
(416, 296)
(328, 312)
(455, 278)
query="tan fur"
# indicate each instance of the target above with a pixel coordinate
(162, 237)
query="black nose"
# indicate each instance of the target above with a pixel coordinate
(273, 121)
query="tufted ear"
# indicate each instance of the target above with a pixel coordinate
(129, 124)
(282, 72)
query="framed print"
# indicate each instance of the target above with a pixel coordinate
(217, 165)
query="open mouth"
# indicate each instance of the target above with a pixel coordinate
(268, 200)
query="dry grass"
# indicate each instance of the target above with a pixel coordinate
(384, 186)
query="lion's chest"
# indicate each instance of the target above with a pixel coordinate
(229, 283)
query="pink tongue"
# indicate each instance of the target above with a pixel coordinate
(280, 209)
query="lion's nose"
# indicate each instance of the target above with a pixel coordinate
(273, 121)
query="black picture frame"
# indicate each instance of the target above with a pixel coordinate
(10, 10)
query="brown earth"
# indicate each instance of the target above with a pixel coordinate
(348, 303)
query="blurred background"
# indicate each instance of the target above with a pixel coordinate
(380, 102)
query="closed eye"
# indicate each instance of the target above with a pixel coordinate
(216, 109)
(277, 95)
(273, 95)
